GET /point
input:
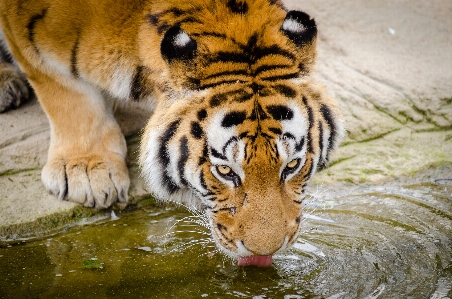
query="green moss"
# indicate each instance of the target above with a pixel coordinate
(47, 225)
(16, 171)
(337, 161)
(92, 263)
(371, 171)
(370, 138)
(437, 129)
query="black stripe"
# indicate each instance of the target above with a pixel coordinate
(231, 57)
(268, 67)
(302, 68)
(322, 162)
(233, 118)
(289, 135)
(164, 158)
(280, 112)
(329, 117)
(177, 12)
(299, 145)
(263, 134)
(244, 97)
(226, 73)
(205, 153)
(154, 19)
(74, 69)
(276, 151)
(196, 130)
(273, 50)
(207, 33)
(32, 24)
(311, 123)
(216, 154)
(202, 181)
(184, 152)
(237, 6)
(258, 113)
(202, 114)
(249, 55)
(277, 3)
(138, 88)
(162, 28)
(243, 134)
(310, 170)
(218, 99)
(206, 86)
(276, 131)
(228, 240)
(285, 90)
(168, 183)
(281, 77)
(194, 82)
(232, 139)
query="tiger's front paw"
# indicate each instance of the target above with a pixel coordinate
(94, 181)
(14, 88)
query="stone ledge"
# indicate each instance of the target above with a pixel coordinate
(387, 63)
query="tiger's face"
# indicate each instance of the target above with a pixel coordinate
(256, 173)
(240, 128)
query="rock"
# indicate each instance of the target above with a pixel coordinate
(394, 88)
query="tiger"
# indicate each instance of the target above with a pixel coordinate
(239, 127)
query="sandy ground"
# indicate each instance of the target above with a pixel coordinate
(388, 63)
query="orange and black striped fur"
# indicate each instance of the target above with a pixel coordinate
(239, 128)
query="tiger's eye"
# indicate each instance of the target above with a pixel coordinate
(292, 163)
(223, 169)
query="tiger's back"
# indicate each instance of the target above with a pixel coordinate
(239, 127)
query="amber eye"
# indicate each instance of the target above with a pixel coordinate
(227, 173)
(292, 164)
(223, 169)
(290, 168)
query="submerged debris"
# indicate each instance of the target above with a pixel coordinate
(92, 263)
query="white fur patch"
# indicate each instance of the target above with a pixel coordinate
(297, 126)
(293, 26)
(152, 169)
(120, 82)
(53, 62)
(181, 40)
(217, 138)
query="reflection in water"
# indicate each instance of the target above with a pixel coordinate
(375, 242)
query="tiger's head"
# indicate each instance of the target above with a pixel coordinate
(239, 128)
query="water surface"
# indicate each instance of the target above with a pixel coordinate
(387, 241)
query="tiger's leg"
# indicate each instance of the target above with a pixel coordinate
(14, 88)
(86, 159)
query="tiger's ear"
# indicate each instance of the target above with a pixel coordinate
(301, 30)
(177, 45)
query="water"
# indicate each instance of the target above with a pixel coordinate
(386, 241)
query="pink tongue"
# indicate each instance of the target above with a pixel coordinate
(256, 260)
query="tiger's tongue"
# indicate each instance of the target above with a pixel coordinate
(256, 260)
